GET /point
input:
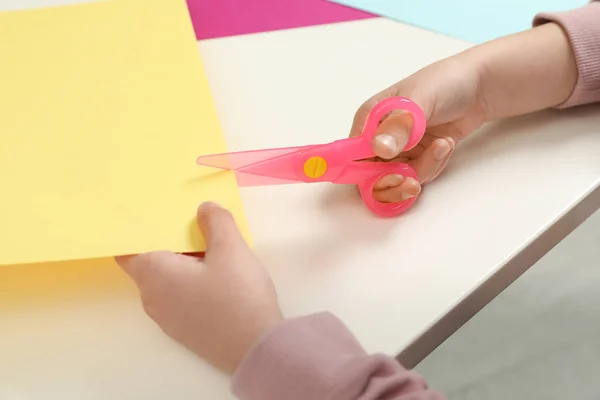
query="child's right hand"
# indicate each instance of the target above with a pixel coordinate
(449, 94)
(510, 76)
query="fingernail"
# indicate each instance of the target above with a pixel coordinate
(406, 196)
(388, 141)
(442, 150)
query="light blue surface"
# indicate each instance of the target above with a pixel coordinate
(474, 21)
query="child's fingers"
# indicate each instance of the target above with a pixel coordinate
(395, 188)
(389, 182)
(407, 189)
(143, 266)
(434, 158)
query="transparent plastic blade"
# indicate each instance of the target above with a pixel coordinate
(234, 161)
(245, 180)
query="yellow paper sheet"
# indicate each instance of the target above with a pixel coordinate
(50, 284)
(104, 108)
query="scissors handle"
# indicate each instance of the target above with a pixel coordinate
(383, 108)
(378, 170)
(374, 171)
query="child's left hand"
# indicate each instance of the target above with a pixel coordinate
(218, 307)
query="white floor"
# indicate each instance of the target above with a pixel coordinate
(540, 339)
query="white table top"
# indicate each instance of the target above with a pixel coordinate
(389, 280)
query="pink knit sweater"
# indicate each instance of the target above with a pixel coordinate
(583, 28)
(317, 358)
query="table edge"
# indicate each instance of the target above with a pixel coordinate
(496, 283)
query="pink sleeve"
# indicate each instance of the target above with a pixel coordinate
(582, 26)
(316, 357)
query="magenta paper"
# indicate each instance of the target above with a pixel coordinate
(219, 18)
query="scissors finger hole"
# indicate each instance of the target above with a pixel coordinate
(400, 114)
(391, 201)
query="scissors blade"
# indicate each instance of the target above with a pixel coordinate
(259, 167)
(242, 159)
(246, 179)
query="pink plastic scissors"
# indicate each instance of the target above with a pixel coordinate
(337, 162)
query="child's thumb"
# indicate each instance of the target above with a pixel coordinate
(219, 228)
(393, 132)
(392, 135)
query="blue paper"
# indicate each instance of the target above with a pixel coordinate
(475, 21)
